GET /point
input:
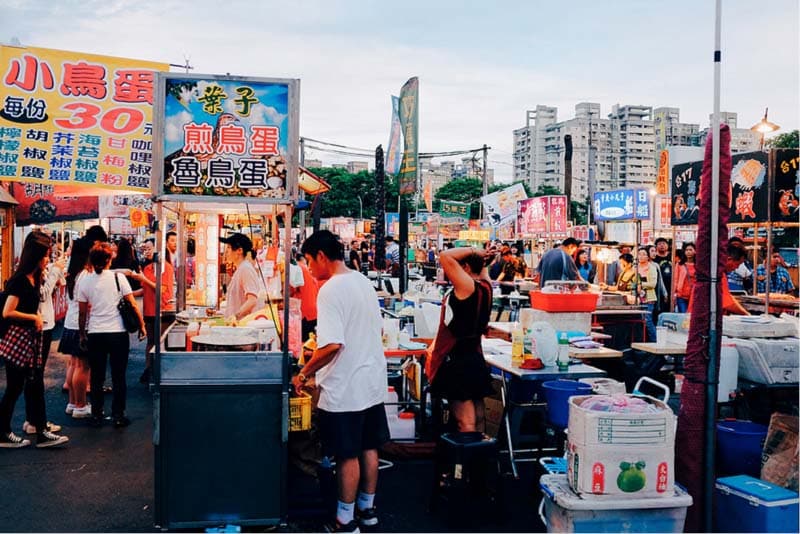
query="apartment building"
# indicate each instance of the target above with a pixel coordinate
(670, 131)
(354, 167)
(742, 139)
(529, 146)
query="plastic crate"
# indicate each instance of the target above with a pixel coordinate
(300, 413)
(564, 302)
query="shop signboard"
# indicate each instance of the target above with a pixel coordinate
(661, 211)
(225, 138)
(500, 207)
(41, 204)
(786, 198)
(621, 205)
(532, 217)
(748, 189)
(455, 212)
(76, 119)
(119, 205)
(557, 214)
(392, 224)
(474, 235)
(542, 216)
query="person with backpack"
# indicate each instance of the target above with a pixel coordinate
(21, 345)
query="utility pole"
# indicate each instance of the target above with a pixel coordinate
(301, 217)
(590, 185)
(485, 184)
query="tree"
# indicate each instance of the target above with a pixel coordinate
(545, 190)
(785, 140)
(498, 187)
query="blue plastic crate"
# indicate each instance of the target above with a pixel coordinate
(747, 504)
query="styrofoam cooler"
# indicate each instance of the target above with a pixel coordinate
(759, 326)
(768, 361)
(677, 325)
(747, 504)
(621, 454)
(728, 370)
(564, 511)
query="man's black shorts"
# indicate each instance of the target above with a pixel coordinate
(348, 434)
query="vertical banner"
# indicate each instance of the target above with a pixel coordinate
(558, 214)
(393, 150)
(409, 121)
(749, 195)
(222, 137)
(428, 195)
(76, 119)
(662, 180)
(532, 217)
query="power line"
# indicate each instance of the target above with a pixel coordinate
(371, 152)
(334, 151)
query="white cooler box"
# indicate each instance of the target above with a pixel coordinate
(768, 361)
(621, 454)
(760, 326)
(562, 510)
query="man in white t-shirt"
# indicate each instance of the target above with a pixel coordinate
(242, 294)
(350, 371)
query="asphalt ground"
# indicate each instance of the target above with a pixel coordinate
(102, 481)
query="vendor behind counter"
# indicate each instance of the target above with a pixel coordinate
(245, 284)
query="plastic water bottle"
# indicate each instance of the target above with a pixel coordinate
(563, 352)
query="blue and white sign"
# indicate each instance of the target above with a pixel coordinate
(621, 205)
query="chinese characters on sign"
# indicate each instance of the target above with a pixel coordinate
(225, 138)
(621, 205)
(41, 204)
(542, 216)
(74, 118)
(455, 211)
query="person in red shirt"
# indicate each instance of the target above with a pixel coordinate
(307, 293)
(148, 280)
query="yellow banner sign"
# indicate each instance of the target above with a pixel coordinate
(70, 118)
(474, 235)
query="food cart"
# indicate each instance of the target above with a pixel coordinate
(223, 146)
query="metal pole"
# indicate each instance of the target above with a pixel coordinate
(713, 338)
(484, 185)
(768, 259)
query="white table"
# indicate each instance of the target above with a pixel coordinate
(497, 353)
(506, 327)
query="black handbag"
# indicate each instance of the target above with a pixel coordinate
(130, 319)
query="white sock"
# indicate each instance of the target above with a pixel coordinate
(344, 512)
(365, 500)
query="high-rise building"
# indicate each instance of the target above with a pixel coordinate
(313, 163)
(618, 150)
(529, 146)
(742, 139)
(354, 167)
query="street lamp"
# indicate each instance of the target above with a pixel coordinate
(360, 208)
(764, 127)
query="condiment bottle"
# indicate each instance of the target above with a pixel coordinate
(517, 336)
(563, 352)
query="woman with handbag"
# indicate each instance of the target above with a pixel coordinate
(104, 332)
(647, 281)
(456, 367)
(21, 345)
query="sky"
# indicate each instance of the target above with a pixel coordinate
(480, 65)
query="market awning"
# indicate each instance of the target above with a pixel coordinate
(311, 183)
(6, 198)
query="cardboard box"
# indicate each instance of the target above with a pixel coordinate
(621, 454)
(779, 458)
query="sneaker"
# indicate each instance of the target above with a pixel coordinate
(368, 517)
(145, 378)
(121, 422)
(12, 441)
(31, 429)
(70, 408)
(48, 439)
(96, 421)
(352, 526)
(82, 413)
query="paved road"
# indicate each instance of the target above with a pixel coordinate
(103, 480)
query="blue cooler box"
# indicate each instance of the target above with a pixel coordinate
(747, 504)
(562, 510)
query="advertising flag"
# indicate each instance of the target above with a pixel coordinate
(394, 152)
(428, 195)
(500, 207)
(76, 119)
(409, 121)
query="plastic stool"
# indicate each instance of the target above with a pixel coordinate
(466, 472)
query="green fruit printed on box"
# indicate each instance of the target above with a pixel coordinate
(632, 478)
